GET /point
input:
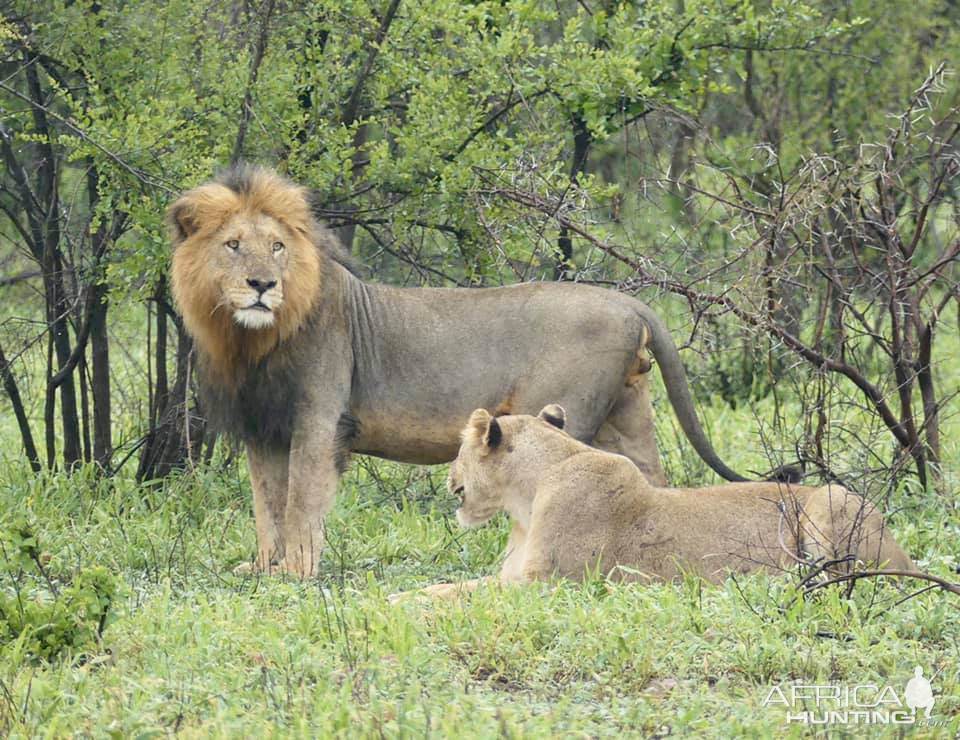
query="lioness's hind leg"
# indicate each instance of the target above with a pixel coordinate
(628, 429)
(841, 526)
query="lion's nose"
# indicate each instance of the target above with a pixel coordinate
(261, 286)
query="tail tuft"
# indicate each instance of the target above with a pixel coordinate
(786, 474)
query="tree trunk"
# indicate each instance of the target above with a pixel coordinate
(100, 382)
(26, 436)
(84, 408)
(47, 228)
(152, 449)
(99, 339)
(170, 441)
(60, 326)
(931, 410)
(581, 148)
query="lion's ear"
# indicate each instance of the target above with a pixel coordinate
(181, 217)
(554, 415)
(205, 207)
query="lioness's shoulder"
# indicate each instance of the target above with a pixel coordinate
(591, 469)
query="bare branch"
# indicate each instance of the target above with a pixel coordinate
(944, 584)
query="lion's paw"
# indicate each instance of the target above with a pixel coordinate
(254, 568)
(297, 568)
(245, 569)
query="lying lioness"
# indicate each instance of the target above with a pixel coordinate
(576, 510)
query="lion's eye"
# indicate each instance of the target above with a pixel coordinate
(233, 245)
(278, 247)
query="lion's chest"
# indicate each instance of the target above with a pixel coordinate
(261, 409)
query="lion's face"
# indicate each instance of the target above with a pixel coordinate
(249, 265)
(246, 268)
(490, 448)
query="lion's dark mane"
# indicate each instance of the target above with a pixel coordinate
(261, 410)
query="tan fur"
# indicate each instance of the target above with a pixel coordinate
(330, 364)
(577, 510)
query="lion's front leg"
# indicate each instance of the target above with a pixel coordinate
(510, 572)
(444, 591)
(269, 480)
(310, 495)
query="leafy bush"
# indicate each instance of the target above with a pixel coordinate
(49, 614)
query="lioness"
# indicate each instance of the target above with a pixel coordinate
(307, 363)
(576, 509)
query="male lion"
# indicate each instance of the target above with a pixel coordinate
(576, 509)
(307, 363)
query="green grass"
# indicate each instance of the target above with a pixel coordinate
(192, 649)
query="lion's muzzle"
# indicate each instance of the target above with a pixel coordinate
(255, 304)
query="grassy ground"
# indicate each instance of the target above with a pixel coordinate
(190, 648)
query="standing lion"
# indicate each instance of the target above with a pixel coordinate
(307, 363)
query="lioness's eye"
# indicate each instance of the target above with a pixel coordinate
(278, 246)
(233, 244)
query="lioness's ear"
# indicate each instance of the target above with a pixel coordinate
(494, 434)
(485, 427)
(479, 420)
(554, 415)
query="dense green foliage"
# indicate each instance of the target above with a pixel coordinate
(389, 113)
(764, 171)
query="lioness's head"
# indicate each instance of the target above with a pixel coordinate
(246, 263)
(491, 450)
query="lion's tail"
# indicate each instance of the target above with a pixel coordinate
(678, 391)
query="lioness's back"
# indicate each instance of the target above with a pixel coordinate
(713, 530)
(602, 513)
